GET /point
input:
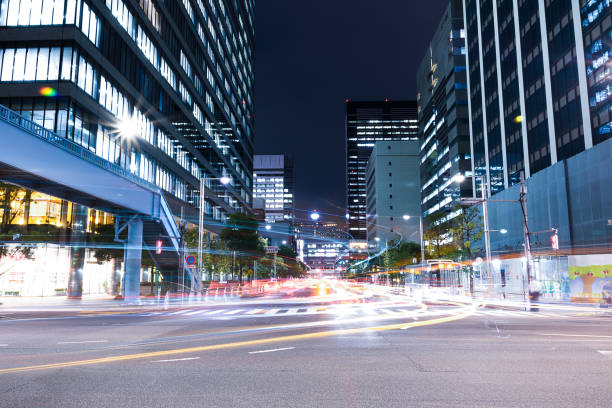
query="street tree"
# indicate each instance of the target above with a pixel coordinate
(466, 230)
(289, 265)
(437, 235)
(241, 237)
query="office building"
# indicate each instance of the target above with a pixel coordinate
(539, 100)
(538, 84)
(443, 116)
(392, 192)
(162, 89)
(367, 123)
(274, 183)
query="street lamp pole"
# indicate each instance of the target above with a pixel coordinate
(422, 240)
(224, 180)
(485, 216)
(406, 218)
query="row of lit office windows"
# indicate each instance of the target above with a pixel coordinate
(26, 12)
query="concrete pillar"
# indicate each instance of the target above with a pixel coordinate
(132, 255)
(78, 237)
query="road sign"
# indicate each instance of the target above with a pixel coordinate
(470, 200)
(271, 249)
(190, 261)
(554, 240)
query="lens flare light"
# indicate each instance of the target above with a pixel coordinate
(48, 91)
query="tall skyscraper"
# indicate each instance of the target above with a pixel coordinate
(162, 89)
(392, 187)
(274, 183)
(539, 83)
(367, 123)
(443, 116)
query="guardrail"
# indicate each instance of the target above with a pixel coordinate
(15, 119)
(69, 146)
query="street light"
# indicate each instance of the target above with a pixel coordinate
(315, 215)
(406, 217)
(458, 178)
(268, 227)
(224, 180)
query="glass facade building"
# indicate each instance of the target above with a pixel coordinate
(274, 184)
(162, 88)
(367, 123)
(537, 80)
(443, 117)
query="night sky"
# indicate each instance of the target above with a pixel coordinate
(313, 54)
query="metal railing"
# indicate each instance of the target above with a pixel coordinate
(33, 128)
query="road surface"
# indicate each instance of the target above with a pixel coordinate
(346, 349)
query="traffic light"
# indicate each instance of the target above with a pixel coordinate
(554, 240)
(158, 246)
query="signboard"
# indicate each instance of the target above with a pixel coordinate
(271, 249)
(358, 245)
(190, 261)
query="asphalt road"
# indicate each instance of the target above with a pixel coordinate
(386, 351)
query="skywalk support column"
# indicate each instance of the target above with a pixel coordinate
(78, 236)
(133, 258)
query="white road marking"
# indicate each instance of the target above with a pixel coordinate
(272, 350)
(177, 359)
(82, 342)
(607, 353)
(575, 335)
(194, 312)
(255, 311)
(180, 312)
(232, 312)
(212, 312)
(272, 311)
(3, 345)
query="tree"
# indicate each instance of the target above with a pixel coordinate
(466, 230)
(404, 254)
(289, 265)
(437, 235)
(241, 236)
(8, 199)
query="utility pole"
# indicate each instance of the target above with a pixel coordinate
(523, 201)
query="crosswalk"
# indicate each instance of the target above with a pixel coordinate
(344, 311)
(294, 311)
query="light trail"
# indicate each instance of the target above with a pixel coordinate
(224, 346)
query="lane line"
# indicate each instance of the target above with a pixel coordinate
(255, 311)
(607, 353)
(176, 359)
(3, 345)
(271, 351)
(82, 342)
(289, 338)
(575, 335)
